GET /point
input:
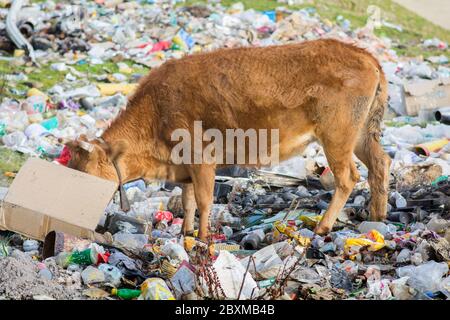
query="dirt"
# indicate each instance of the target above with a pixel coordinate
(19, 279)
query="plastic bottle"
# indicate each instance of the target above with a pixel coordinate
(400, 201)
(126, 294)
(366, 226)
(85, 257)
(155, 289)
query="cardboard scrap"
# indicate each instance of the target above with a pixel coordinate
(427, 95)
(48, 197)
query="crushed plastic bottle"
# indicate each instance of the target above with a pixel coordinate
(366, 226)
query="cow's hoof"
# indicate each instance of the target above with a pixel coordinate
(189, 233)
(322, 230)
(203, 236)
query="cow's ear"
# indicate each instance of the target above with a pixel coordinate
(118, 149)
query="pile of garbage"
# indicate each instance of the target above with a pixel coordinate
(262, 245)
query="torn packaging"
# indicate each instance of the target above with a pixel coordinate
(46, 197)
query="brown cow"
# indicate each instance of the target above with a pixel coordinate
(322, 90)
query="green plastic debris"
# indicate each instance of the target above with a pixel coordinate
(266, 283)
(438, 180)
(2, 129)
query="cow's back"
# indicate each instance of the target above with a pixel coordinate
(289, 87)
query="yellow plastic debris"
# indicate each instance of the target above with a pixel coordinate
(189, 243)
(123, 68)
(36, 92)
(160, 55)
(282, 228)
(197, 49)
(373, 239)
(432, 146)
(109, 89)
(311, 221)
(177, 40)
(19, 53)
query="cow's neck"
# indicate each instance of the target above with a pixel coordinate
(137, 126)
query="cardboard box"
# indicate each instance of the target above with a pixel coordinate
(426, 95)
(48, 197)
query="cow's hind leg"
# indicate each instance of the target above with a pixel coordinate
(370, 152)
(189, 207)
(338, 136)
(345, 177)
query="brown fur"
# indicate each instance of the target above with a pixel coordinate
(334, 92)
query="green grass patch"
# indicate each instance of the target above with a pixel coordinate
(44, 77)
(10, 161)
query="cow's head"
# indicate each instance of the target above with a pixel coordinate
(95, 157)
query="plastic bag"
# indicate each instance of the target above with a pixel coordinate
(426, 277)
(155, 289)
(230, 273)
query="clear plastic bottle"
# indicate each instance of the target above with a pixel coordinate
(366, 226)
(400, 201)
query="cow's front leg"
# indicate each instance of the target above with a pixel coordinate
(189, 206)
(203, 180)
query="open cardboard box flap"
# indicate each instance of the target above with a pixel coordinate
(45, 197)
